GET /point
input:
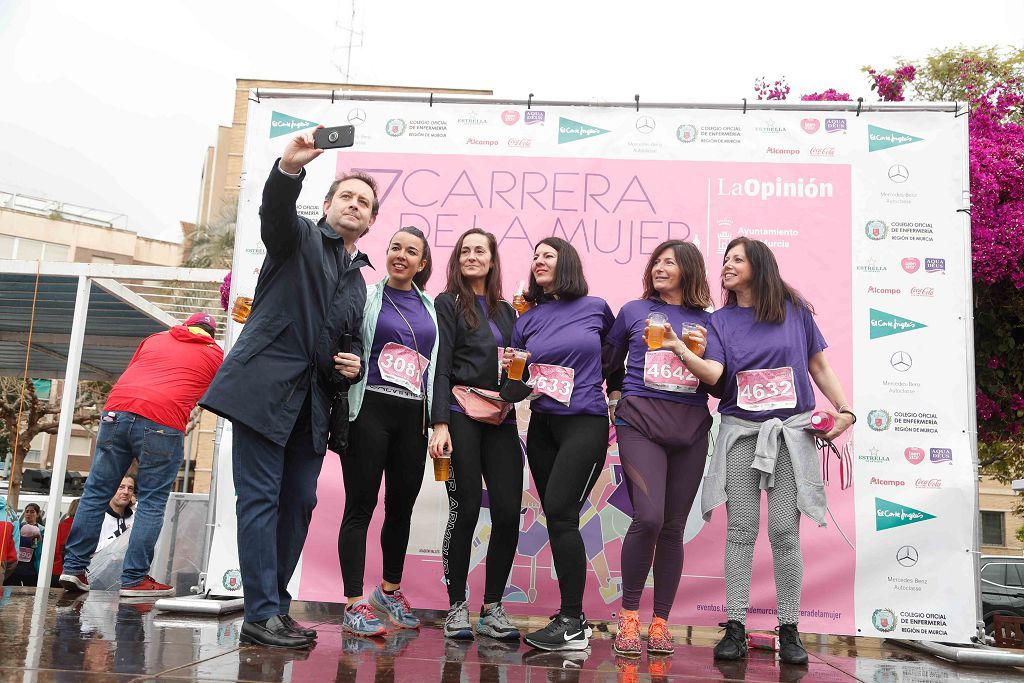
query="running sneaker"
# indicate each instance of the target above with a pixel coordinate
(494, 623)
(791, 648)
(562, 633)
(627, 636)
(659, 640)
(733, 645)
(361, 620)
(456, 624)
(148, 587)
(75, 582)
(587, 630)
(395, 606)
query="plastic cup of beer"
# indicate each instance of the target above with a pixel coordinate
(691, 343)
(443, 466)
(656, 330)
(519, 299)
(518, 364)
(240, 311)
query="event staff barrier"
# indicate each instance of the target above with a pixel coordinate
(864, 209)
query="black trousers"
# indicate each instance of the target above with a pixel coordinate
(566, 454)
(491, 454)
(385, 441)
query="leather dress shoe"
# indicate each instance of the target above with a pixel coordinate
(296, 628)
(273, 633)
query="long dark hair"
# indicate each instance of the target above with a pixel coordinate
(694, 276)
(458, 287)
(770, 292)
(420, 278)
(570, 283)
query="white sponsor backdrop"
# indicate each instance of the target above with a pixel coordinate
(862, 213)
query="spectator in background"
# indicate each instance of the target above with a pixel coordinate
(63, 530)
(30, 541)
(144, 419)
(9, 534)
(119, 516)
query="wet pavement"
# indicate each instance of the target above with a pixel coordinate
(99, 637)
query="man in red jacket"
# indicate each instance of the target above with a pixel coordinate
(144, 419)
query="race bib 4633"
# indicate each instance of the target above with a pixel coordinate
(772, 389)
(554, 381)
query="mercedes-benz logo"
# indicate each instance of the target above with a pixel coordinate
(907, 556)
(356, 116)
(901, 361)
(898, 173)
(645, 124)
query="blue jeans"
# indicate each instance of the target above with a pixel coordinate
(159, 450)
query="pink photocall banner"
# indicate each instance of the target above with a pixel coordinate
(615, 212)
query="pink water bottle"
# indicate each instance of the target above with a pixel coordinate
(822, 422)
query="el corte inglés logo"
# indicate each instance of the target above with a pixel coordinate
(884, 324)
(570, 131)
(883, 138)
(283, 124)
(889, 515)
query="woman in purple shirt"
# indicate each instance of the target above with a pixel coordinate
(763, 345)
(388, 412)
(475, 325)
(568, 435)
(662, 421)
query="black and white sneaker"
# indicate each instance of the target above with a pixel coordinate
(586, 626)
(563, 633)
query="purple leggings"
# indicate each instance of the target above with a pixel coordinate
(662, 477)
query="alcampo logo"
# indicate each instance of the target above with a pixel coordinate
(571, 131)
(883, 138)
(889, 515)
(282, 124)
(884, 324)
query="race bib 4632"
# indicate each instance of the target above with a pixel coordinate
(772, 389)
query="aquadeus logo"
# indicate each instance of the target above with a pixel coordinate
(283, 124)
(883, 138)
(884, 324)
(889, 515)
(571, 131)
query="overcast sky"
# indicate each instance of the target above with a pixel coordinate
(112, 104)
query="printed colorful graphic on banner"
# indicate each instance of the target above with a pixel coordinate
(851, 206)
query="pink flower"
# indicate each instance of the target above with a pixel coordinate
(993, 363)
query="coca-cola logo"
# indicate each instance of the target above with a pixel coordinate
(520, 142)
(928, 483)
(915, 456)
(922, 291)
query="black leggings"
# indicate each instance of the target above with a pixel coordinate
(385, 440)
(493, 452)
(566, 455)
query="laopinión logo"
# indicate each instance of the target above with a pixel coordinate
(232, 580)
(879, 420)
(395, 127)
(884, 620)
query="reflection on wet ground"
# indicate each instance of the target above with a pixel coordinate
(99, 637)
